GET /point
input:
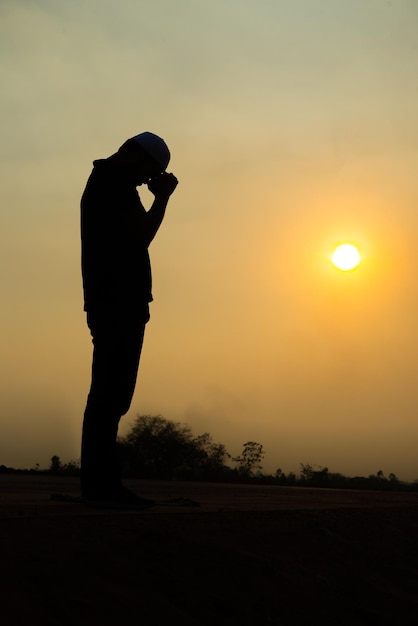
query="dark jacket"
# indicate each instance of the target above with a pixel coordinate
(115, 266)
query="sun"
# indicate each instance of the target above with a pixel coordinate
(346, 257)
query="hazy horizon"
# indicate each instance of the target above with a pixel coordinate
(292, 127)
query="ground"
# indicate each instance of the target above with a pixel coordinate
(248, 555)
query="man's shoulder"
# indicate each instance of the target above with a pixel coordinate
(100, 184)
(102, 171)
(100, 165)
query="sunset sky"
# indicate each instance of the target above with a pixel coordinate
(293, 127)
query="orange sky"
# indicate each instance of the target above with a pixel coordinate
(292, 127)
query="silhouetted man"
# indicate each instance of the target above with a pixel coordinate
(116, 231)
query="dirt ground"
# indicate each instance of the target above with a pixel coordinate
(248, 555)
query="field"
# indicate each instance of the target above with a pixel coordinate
(248, 555)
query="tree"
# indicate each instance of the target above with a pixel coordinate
(393, 479)
(211, 458)
(278, 474)
(56, 465)
(319, 477)
(72, 468)
(314, 477)
(249, 462)
(159, 448)
(156, 447)
(306, 472)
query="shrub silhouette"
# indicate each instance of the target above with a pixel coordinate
(159, 448)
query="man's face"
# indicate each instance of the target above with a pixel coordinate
(138, 164)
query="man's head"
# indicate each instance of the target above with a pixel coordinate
(146, 155)
(155, 147)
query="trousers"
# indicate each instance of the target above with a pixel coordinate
(117, 336)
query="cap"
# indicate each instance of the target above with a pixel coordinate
(155, 147)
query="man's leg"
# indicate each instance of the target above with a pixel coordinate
(117, 339)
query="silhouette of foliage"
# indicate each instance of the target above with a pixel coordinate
(210, 458)
(55, 466)
(159, 448)
(249, 462)
(314, 477)
(72, 468)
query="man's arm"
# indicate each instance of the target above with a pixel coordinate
(144, 226)
(162, 187)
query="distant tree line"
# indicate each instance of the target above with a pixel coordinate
(157, 448)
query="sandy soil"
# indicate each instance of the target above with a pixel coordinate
(248, 555)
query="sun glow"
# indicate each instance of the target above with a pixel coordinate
(346, 257)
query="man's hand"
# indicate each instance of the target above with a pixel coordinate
(163, 186)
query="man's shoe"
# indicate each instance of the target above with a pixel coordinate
(120, 498)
